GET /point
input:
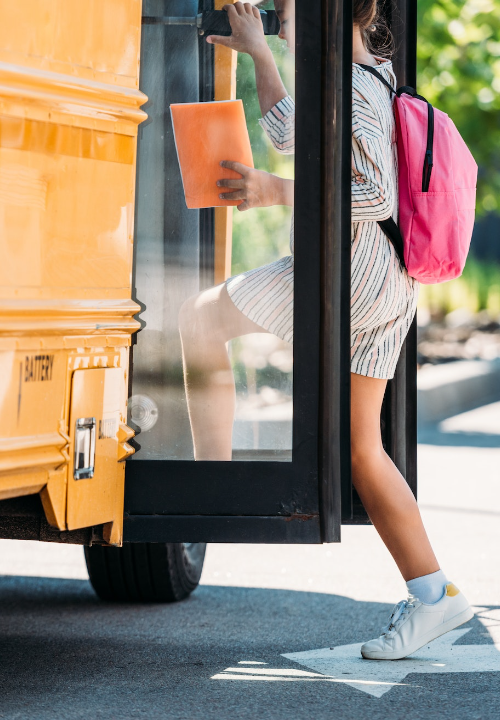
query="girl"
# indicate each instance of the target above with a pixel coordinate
(383, 304)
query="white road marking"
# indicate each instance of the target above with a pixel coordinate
(251, 662)
(375, 677)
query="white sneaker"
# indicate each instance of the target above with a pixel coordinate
(414, 624)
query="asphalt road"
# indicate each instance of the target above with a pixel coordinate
(219, 655)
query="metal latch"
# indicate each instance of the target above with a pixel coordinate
(215, 22)
(84, 448)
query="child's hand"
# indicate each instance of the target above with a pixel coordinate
(256, 188)
(247, 29)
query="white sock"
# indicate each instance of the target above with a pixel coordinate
(428, 588)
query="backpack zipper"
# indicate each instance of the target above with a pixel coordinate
(428, 161)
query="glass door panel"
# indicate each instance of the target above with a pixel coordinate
(167, 235)
(181, 252)
(263, 363)
(176, 247)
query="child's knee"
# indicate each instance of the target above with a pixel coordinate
(366, 448)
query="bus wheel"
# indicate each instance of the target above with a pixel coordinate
(145, 572)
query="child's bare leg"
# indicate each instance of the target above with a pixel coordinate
(206, 322)
(386, 496)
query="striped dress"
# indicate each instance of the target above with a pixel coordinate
(383, 296)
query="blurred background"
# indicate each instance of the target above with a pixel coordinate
(459, 72)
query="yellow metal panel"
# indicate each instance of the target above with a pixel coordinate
(69, 111)
(32, 393)
(42, 95)
(68, 146)
(36, 136)
(50, 484)
(84, 39)
(53, 497)
(22, 484)
(68, 317)
(65, 222)
(100, 394)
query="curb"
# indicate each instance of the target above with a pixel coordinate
(456, 387)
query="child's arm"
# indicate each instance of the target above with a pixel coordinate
(279, 126)
(256, 188)
(248, 37)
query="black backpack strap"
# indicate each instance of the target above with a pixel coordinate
(403, 89)
(377, 75)
(394, 234)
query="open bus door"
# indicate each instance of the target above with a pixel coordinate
(283, 486)
(289, 478)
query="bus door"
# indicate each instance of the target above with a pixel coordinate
(289, 477)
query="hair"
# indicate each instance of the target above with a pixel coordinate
(375, 33)
(367, 14)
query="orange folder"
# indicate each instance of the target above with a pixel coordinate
(205, 134)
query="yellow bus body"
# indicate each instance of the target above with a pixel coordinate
(69, 112)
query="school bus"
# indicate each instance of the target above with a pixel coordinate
(98, 253)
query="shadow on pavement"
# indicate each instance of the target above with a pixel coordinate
(67, 655)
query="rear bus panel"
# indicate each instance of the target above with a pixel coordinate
(69, 111)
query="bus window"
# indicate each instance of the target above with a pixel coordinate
(180, 252)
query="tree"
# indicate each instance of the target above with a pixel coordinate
(459, 72)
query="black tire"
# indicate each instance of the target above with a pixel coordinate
(145, 572)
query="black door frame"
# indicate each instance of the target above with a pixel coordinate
(305, 500)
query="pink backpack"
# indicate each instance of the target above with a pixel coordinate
(437, 190)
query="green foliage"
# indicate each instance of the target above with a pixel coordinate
(477, 289)
(459, 72)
